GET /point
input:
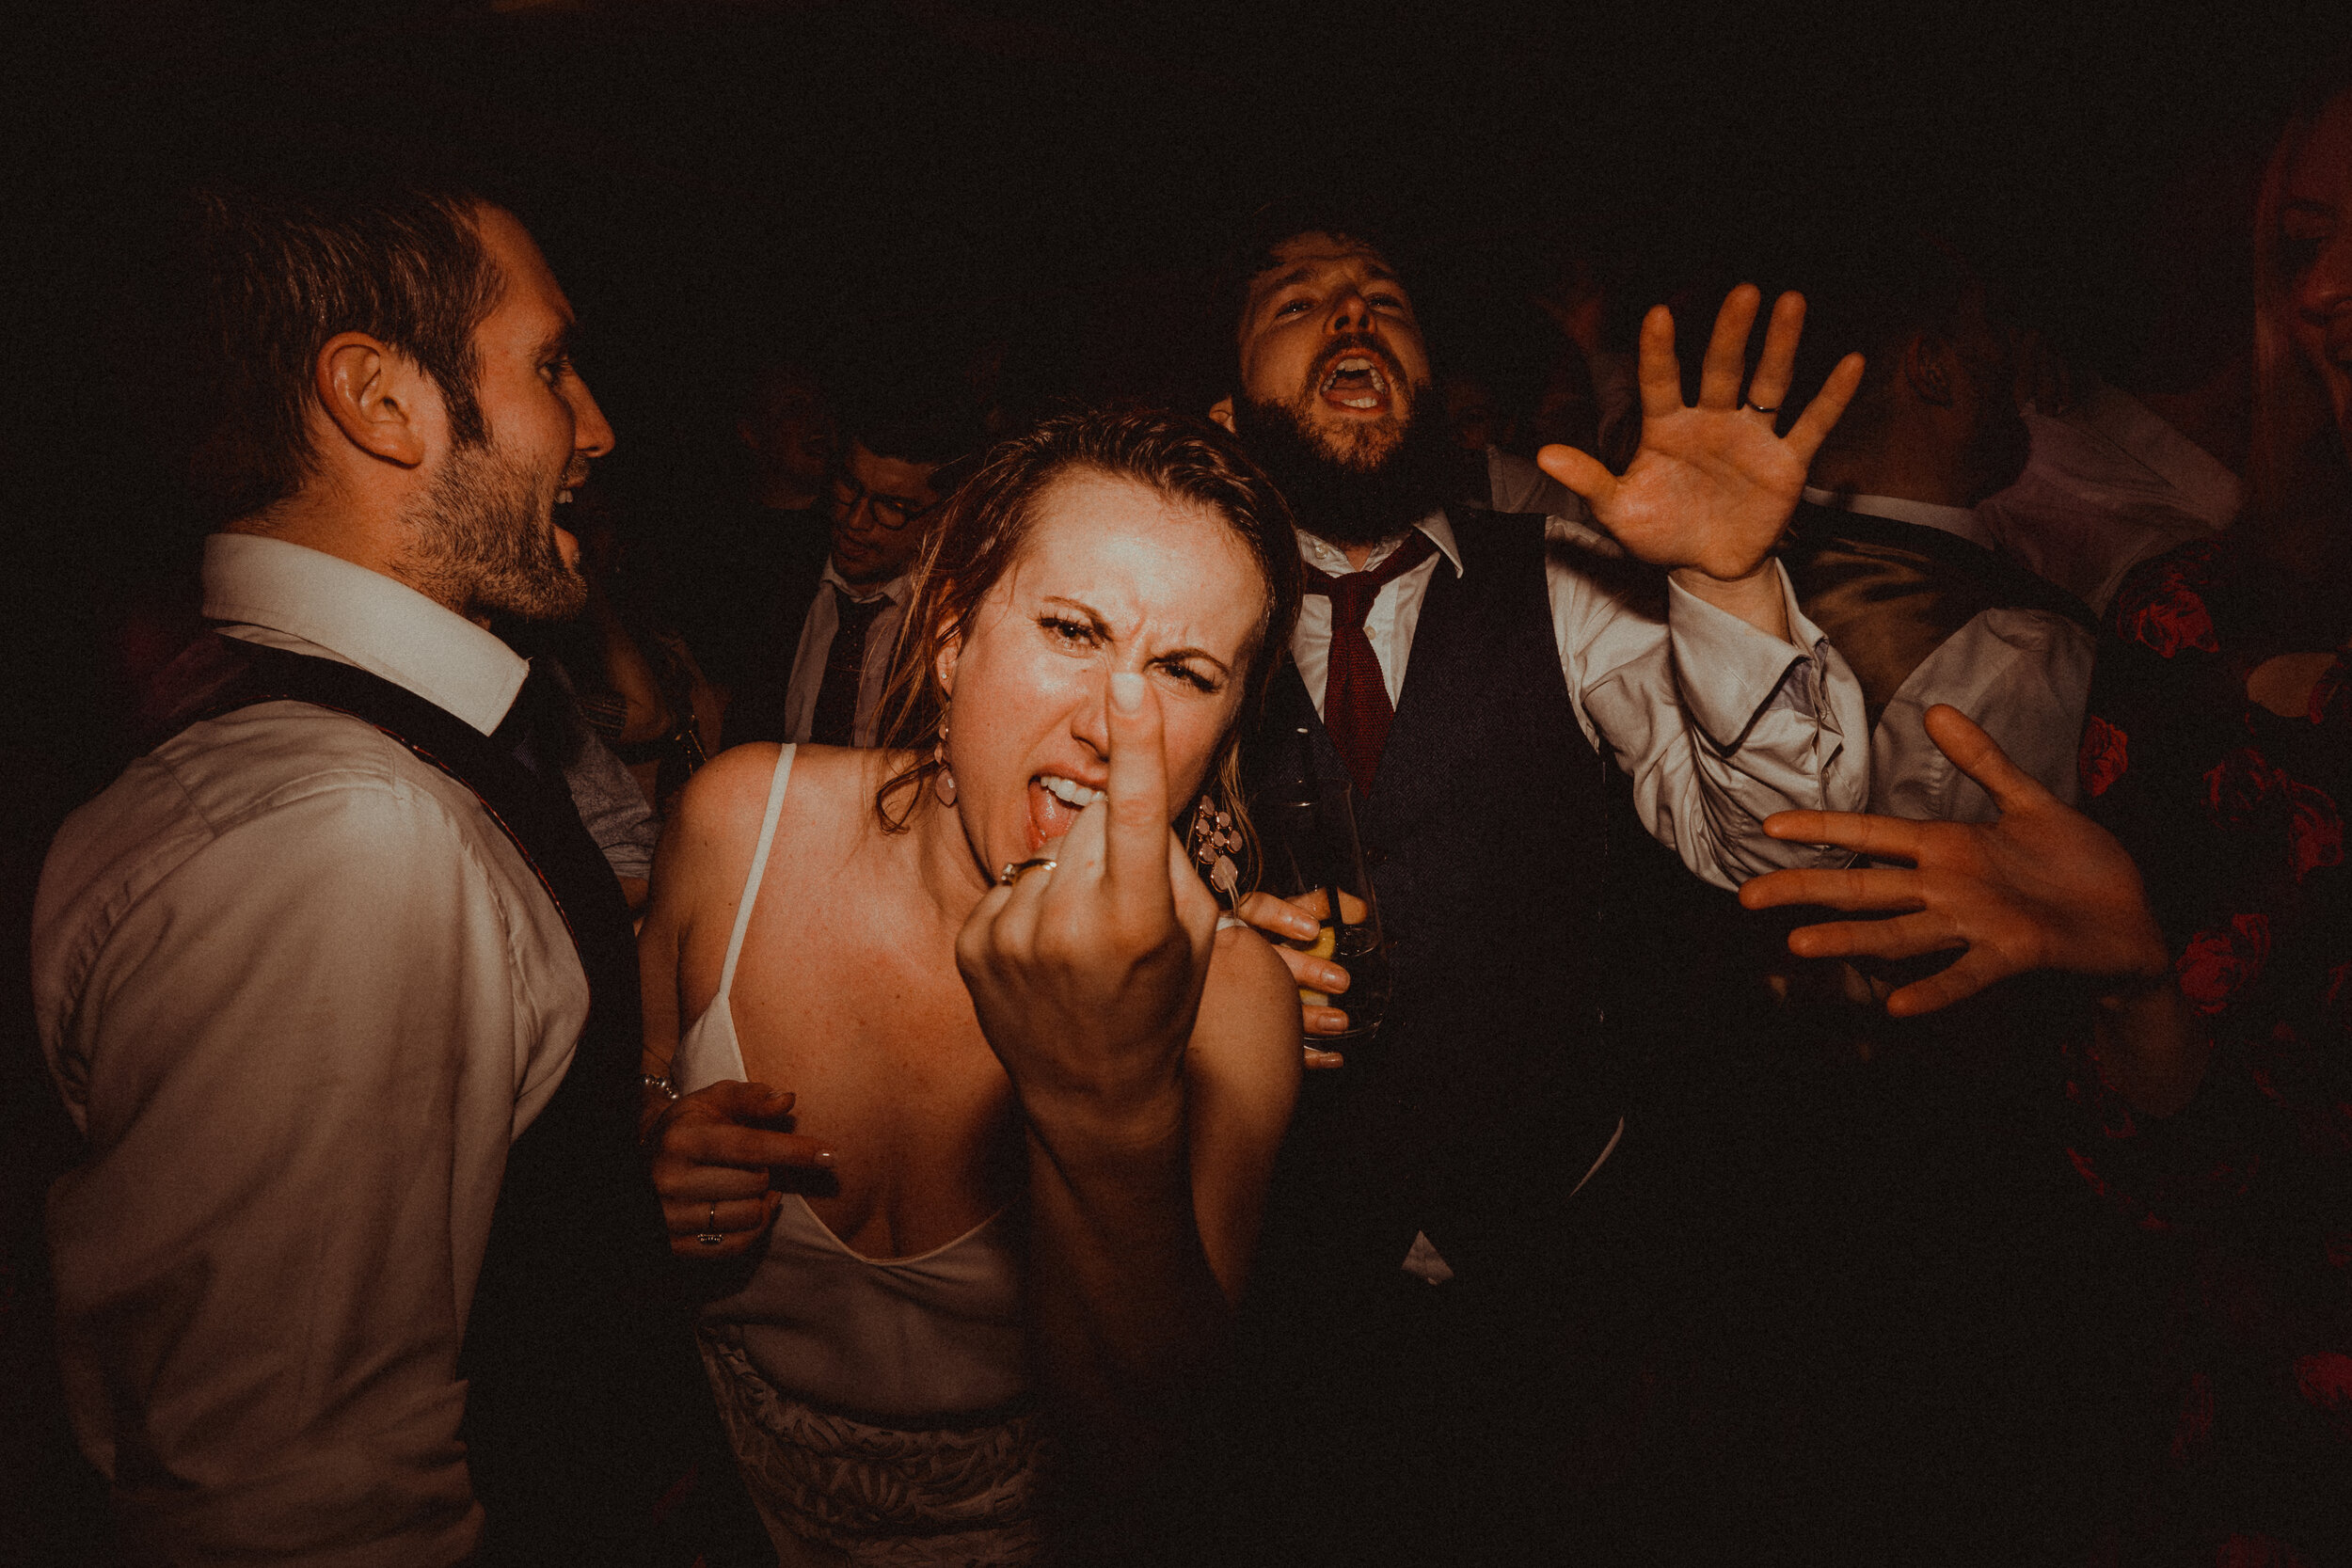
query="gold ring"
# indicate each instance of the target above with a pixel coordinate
(711, 1235)
(1014, 870)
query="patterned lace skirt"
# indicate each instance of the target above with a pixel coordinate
(942, 1497)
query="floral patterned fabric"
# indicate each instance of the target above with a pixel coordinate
(2235, 816)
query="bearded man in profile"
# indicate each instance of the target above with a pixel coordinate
(335, 986)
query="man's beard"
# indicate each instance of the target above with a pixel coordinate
(482, 546)
(1357, 494)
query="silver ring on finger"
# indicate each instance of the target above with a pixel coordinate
(1756, 408)
(1015, 870)
(711, 1235)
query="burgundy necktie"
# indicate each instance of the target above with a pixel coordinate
(836, 720)
(1356, 707)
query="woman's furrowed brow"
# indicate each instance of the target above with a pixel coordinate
(1103, 629)
(1093, 616)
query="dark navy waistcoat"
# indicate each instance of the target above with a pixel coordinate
(1487, 1092)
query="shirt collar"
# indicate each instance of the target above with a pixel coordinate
(1327, 557)
(2146, 436)
(1951, 519)
(895, 590)
(384, 626)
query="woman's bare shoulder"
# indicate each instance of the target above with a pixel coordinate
(1249, 1022)
(831, 803)
(736, 778)
(828, 804)
(1241, 1086)
(713, 829)
(721, 804)
(1245, 964)
(733, 788)
(838, 774)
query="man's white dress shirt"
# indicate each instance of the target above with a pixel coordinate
(1718, 724)
(2108, 484)
(300, 994)
(815, 645)
(2023, 674)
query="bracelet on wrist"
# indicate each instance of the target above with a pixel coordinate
(651, 1131)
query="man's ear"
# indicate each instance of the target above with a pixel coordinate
(1222, 412)
(1928, 368)
(376, 397)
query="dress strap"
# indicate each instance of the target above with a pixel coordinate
(759, 869)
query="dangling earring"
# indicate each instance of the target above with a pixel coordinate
(1212, 843)
(943, 782)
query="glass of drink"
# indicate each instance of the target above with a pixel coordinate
(1314, 858)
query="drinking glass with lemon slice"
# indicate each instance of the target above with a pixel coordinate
(1314, 859)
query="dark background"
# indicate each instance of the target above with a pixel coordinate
(715, 179)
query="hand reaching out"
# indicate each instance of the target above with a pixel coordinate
(1712, 487)
(2043, 887)
(1284, 923)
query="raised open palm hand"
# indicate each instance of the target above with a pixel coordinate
(2043, 887)
(1712, 487)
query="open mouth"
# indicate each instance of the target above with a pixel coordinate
(1356, 381)
(575, 475)
(1055, 803)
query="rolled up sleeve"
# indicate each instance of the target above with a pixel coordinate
(1718, 724)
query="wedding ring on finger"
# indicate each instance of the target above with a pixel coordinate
(1015, 870)
(711, 1235)
(1755, 409)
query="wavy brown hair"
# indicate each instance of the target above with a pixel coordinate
(266, 274)
(983, 526)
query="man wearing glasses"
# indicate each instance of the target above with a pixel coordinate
(820, 665)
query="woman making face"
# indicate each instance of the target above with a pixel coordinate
(1020, 1125)
(1112, 578)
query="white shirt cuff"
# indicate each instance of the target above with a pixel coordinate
(1731, 674)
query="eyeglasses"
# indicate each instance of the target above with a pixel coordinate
(891, 512)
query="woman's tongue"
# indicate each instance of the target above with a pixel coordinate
(1050, 815)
